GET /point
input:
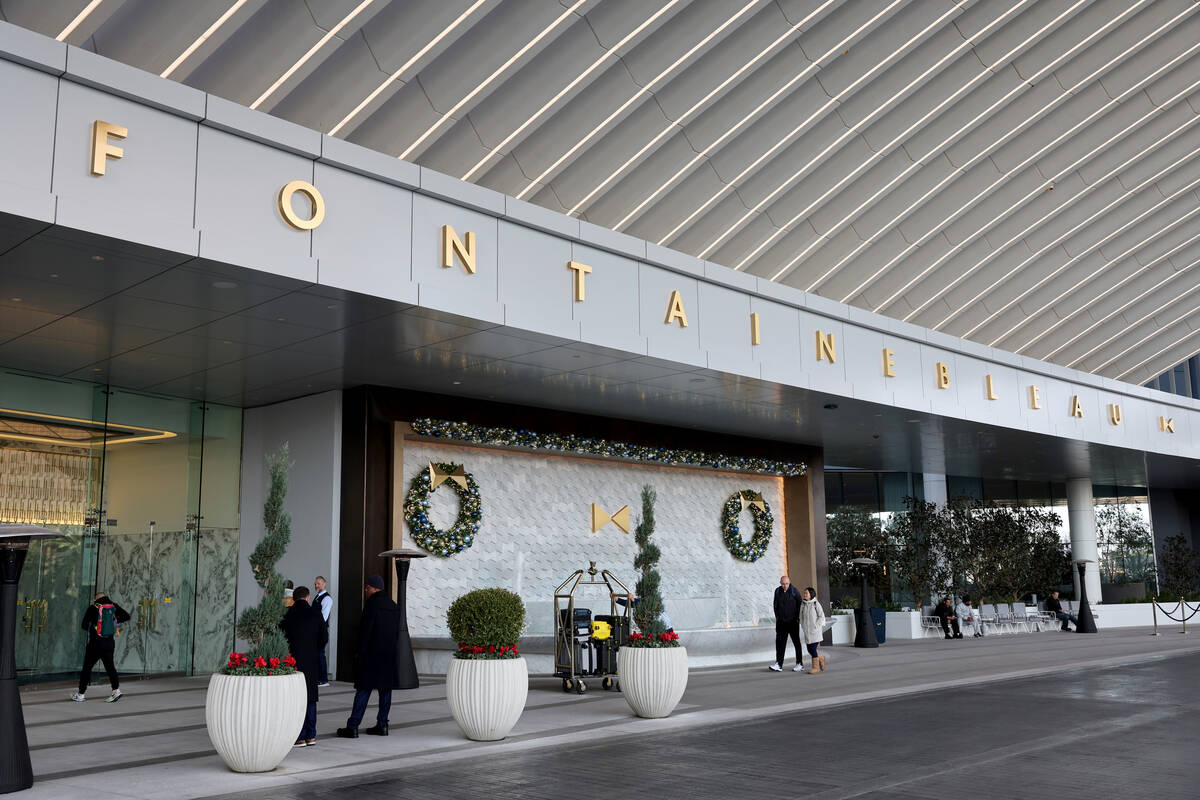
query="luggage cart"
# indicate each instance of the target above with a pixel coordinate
(574, 634)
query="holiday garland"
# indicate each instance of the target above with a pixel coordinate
(457, 537)
(731, 530)
(570, 443)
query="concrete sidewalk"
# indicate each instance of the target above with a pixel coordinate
(154, 744)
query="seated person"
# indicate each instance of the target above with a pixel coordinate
(945, 613)
(1055, 607)
(967, 615)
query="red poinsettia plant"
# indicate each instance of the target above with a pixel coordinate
(665, 639)
(240, 664)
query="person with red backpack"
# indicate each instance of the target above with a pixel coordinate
(101, 621)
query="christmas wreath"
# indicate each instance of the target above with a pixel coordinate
(461, 534)
(731, 529)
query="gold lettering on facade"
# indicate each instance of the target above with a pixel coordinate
(826, 347)
(579, 270)
(315, 201)
(675, 312)
(889, 363)
(1076, 407)
(755, 331)
(454, 247)
(1114, 413)
(943, 375)
(102, 149)
(1166, 424)
(1035, 397)
(990, 383)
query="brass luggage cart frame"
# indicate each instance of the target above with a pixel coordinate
(565, 639)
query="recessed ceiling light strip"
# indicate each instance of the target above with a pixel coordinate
(204, 37)
(1189, 335)
(608, 55)
(919, 162)
(972, 202)
(503, 68)
(1083, 308)
(395, 76)
(79, 18)
(1158, 311)
(332, 32)
(686, 116)
(641, 92)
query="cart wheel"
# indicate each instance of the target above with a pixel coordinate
(607, 683)
(580, 687)
(568, 684)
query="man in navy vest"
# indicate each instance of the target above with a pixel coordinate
(322, 601)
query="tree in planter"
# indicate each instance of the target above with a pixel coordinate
(1126, 544)
(917, 538)
(648, 609)
(259, 625)
(1178, 569)
(850, 533)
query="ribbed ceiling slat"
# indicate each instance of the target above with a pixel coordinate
(1021, 173)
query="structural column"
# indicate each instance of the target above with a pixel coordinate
(1081, 515)
(935, 487)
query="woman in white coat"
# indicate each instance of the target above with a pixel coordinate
(812, 627)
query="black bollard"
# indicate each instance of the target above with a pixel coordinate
(1086, 622)
(16, 772)
(406, 662)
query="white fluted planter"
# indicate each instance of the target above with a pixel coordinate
(652, 678)
(253, 721)
(487, 697)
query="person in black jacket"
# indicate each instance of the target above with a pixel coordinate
(307, 636)
(377, 667)
(945, 613)
(787, 622)
(100, 621)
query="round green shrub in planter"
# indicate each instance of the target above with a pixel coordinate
(487, 682)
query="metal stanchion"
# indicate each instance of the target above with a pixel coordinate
(1183, 614)
(1154, 612)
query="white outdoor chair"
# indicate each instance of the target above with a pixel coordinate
(987, 616)
(930, 625)
(1021, 614)
(1005, 618)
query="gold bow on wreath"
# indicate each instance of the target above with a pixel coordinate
(600, 518)
(755, 500)
(439, 476)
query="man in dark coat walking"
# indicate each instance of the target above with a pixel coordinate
(377, 667)
(307, 636)
(101, 621)
(787, 623)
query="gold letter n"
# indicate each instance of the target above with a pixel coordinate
(453, 247)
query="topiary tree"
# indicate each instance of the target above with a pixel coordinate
(486, 624)
(1178, 569)
(259, 625)
(647, 611)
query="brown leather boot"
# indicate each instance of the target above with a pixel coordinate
(822, 660)
(816, 666)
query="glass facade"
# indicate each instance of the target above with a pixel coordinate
(146, 490)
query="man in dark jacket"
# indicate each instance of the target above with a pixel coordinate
(787, 622)
(307, 636)
(101, 621)
(377, 666)
(945, 613)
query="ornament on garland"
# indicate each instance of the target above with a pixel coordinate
(731, 525)
(461, 534)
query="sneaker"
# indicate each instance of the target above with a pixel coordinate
(774, 668)
(114, 697)
(798, 668)
(300, 743)
(78, 698)
(310, 742)
(322, 685)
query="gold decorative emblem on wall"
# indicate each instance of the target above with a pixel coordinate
(755, 500)
(600, 518)
(438, 476)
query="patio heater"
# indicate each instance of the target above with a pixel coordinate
(406, 663)
(1086, 623)
(864, 634)
(16, 772)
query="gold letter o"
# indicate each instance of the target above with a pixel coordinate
(314, 198)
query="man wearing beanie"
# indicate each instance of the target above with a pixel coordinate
(376, 666)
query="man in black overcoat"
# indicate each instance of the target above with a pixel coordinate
(307, 636)
(377, 667)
